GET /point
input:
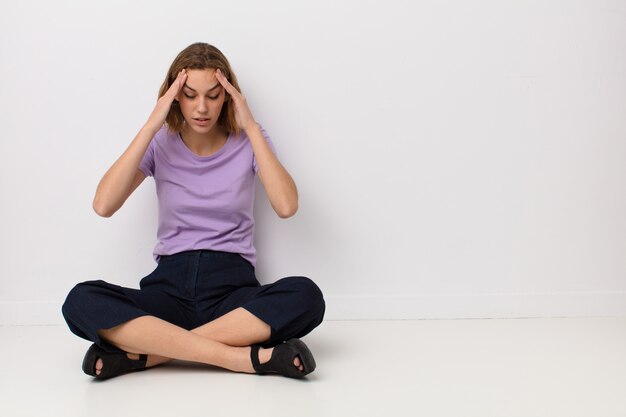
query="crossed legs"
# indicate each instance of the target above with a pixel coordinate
(224, 342)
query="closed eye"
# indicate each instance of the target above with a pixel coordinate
(210, 97)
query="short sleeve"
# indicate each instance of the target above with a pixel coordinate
(269, 142)
(147, 162)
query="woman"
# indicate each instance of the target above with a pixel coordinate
(203, 302)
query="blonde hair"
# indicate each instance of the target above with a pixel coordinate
(200, 56)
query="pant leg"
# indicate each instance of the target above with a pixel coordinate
(292, 306)
(94, 305)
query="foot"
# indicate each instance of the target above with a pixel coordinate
(100, 364)
(264, 357)
(103, 364)
(292, 358)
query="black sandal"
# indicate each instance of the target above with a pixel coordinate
(113, 363)
(282, 359)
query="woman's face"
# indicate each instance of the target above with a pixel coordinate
(201, 99)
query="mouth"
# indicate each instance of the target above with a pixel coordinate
(202, 121)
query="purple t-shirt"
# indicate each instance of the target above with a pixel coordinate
(205, 202)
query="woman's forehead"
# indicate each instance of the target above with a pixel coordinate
(201, 80)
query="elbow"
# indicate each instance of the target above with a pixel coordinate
(287, 211)
(101, 210)
(288, 206)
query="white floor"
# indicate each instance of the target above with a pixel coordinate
(522, 367)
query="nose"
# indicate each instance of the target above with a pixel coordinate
(202, 107)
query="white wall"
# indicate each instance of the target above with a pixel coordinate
(454, 159)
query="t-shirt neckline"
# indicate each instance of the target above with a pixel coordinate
(179, 139)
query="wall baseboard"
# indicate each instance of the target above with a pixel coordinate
(474, 306)
(402, 307)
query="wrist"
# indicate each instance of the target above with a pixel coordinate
(151, 129)
(251, 127)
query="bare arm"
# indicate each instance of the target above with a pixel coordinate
(280, 187)
(124, 176)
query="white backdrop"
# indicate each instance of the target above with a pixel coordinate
(453, 158)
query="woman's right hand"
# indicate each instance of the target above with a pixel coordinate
(162, 108)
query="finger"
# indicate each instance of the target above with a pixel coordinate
(224, 81)
(182, 76)
(178, 83)
(182, 79)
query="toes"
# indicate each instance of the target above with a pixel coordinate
(98, 366)
(298, 364)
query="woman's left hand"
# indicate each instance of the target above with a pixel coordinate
(243, 116)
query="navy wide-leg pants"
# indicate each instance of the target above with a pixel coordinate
(192, 288)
